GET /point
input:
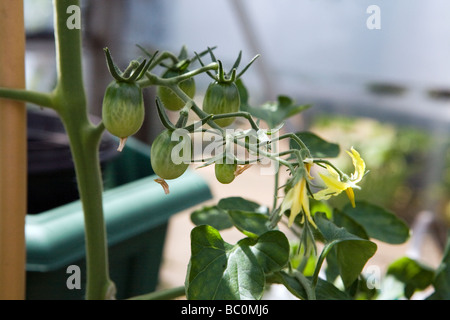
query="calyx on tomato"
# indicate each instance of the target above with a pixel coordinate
(123, 104)
(123, 110)
(222, 95)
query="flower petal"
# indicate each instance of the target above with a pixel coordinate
(308, 166)
(333, 173)
(287, 201)
(325, 194)
(351, 196)
(296, 202)
(305, 203)
(333, 182)
(359, 164)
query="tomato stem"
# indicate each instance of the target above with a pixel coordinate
(242, 114)
(35, 97)
(70, 101)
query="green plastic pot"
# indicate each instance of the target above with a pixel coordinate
(137, 212)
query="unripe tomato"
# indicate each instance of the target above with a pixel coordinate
(222, 97)
(169, 99)
(123, 109)
(225, 172)
(161, 157)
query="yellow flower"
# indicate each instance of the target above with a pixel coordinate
(336, 184)
(297, 199)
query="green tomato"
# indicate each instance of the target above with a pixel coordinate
(123, 109)
(170, 100)
(161, 157)
(222, 98)
(225, 172)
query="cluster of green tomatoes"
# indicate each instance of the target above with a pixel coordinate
(123, 106)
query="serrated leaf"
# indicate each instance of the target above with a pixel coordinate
(318, 147)
(378, 222)
(221, 271)
(352, 252)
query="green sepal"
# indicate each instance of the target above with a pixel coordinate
(163, 116)
(136, 74)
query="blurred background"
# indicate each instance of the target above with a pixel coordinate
(385, 91)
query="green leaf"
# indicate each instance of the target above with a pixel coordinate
(352, 252)
(378, 222)
(218, 270)
(245, 216)
(318, 147)
(327, 291)
(344, 221)
(234, 211)
(332, 271)
(238, 203)
(271, 250)
(292, 284)
(252, 224)
(352, 256)
(213, 216)
(441, 282)
(413, 274)
(274, 113)
(324, 289)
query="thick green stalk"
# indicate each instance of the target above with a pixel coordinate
(70, 101)
(84, 142)
(68, 57)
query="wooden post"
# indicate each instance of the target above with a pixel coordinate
(13, 152)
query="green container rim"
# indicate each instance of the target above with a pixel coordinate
(55, 238)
